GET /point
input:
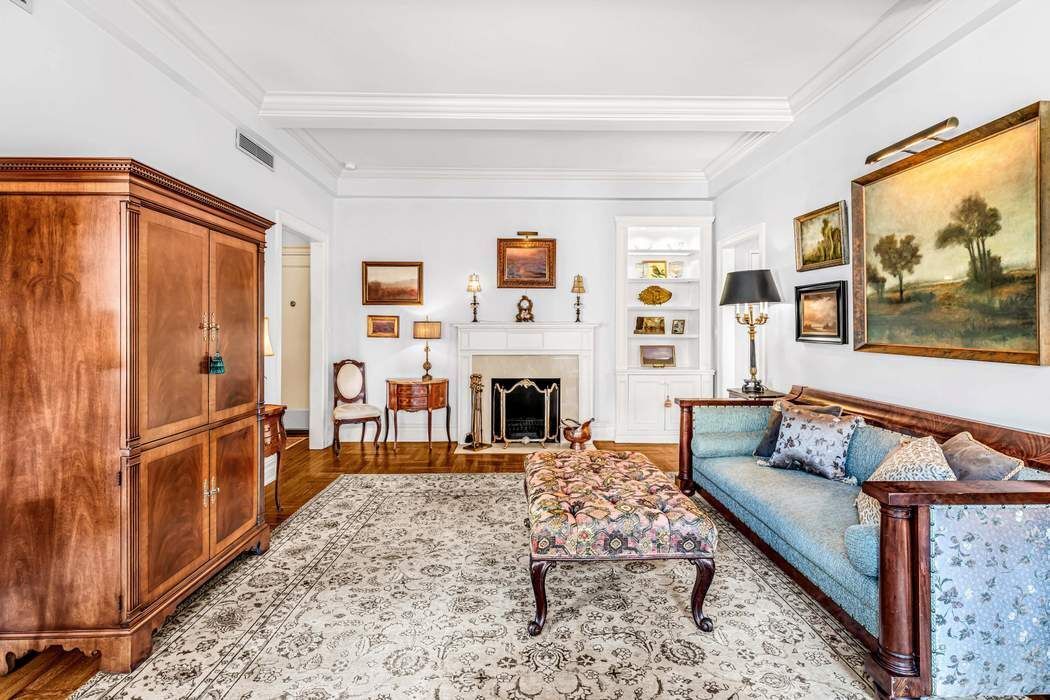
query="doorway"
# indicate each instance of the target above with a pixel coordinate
(294, 231)
(295, 332)
(745, 250)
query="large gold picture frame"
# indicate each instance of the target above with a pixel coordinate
(951, 247)
(526, 263)
(391, 283)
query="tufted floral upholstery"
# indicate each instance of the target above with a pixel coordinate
(610, 505)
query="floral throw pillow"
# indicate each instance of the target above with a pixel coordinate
(918, 460)
(814, 442)
(768, 443)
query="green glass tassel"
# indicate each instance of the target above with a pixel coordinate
(216, 365)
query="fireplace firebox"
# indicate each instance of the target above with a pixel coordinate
(525, 410)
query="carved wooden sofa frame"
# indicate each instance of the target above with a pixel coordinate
(899, 660)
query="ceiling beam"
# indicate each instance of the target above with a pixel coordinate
(348, 110)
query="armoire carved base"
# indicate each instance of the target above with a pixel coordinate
(120, 650)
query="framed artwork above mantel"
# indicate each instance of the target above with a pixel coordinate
(526, 263)
(951, 247)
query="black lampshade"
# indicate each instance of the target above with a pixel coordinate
(749, 287)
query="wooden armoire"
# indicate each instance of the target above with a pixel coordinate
(129, 474)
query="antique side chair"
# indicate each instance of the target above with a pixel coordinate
(350, 401)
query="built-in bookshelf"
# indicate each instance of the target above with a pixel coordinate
(674, 254)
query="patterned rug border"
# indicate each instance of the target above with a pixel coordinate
(250, 643)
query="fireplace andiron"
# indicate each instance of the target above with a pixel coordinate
(476, 427)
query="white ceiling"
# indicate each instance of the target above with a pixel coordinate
(536, 51)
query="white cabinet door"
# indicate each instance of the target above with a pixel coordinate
(645, 403)
(680, 388)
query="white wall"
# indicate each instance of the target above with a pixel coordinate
(991, 71)
(69, 88)
(455, 237)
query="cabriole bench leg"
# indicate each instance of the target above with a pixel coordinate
(705, 572)
(538, 571)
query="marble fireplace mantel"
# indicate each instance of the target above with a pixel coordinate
(563, 339)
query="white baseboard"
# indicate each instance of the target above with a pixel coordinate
(297, 419)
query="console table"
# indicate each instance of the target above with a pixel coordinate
(417, 395)
(274, 440)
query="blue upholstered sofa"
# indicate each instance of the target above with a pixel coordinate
(986, 544)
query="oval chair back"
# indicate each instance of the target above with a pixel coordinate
(349, 382)
(349, 376)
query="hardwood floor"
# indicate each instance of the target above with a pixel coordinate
(55, 673)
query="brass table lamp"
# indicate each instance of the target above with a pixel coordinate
(426, 330)
(745, 289)
(578, 289)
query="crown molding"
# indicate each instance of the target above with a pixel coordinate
(533, 183)
(737, 151)
(365, 173)
(183, 30)
(928, 34)
(353, 110)
(894, 23)
(318, 151)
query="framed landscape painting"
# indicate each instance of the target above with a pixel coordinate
(526, 263)
(384, 326)
(820, 238)
(951, 247)
(820, 313)
(391, 283)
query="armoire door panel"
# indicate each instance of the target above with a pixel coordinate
(235, 308)
(235, 481)
(172, 301)
(173, 514)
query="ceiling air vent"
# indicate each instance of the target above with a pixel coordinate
(26, 5)
(254, 148)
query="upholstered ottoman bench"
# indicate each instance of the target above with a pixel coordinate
(611, 506)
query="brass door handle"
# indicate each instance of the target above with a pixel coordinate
(214, 490)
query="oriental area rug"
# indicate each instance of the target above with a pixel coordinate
(417, 586)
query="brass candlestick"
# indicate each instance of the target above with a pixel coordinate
(752, 385)
(474, 286)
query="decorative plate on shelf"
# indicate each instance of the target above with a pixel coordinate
(654, 295)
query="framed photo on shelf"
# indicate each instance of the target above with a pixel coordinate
(649, 325)
(391, 283)
(654, 269)
(384, 326)
(820, 238)
(657, 355)
(678, 326)
(820, 313)
(526, 263)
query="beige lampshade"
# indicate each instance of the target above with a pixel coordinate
(267, 347)
(474, 283)
(426, 330)
(577, 285)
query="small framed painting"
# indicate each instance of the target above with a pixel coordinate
(657, 356)
(820, 238)
(391, 283)
(820, 313)
(649, 325)
(384, 326)
(526, 263)
(678, 326)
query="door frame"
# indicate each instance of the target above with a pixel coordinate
(320, 389)
(725, 318)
